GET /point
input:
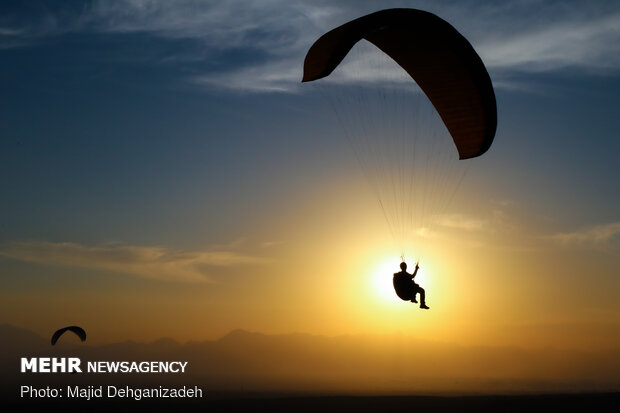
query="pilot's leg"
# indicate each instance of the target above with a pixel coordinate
(415, 291)
(422, 298)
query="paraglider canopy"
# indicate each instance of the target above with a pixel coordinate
(79, 331)
(440, 60)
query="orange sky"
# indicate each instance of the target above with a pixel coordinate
(495, 283)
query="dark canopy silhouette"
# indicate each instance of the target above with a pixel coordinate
(440, 60)
(75, 329)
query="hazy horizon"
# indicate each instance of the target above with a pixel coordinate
(348, 364)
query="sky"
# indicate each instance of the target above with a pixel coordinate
(164, 173)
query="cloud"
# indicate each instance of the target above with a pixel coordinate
(512, 37)
(501, 217)
(592, 44)
(274, 76)
(270, 38)
(9, 32)
(462, 222)
(270, 244)
(156, 263)
(598, 236)
(270, 25)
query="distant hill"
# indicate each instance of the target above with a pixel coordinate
(19, 339)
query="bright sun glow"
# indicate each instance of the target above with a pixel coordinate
(382, 279)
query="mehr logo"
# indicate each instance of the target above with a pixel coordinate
(51, 365)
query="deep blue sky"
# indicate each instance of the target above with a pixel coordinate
(113, 107)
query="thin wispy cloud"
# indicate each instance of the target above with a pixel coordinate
(270, 244)
(503, 216)
(273, 76)
(9, 32)
(590, 45)
(271, 25)
(500, 227)
(462, 222)
(599, 236)
(155, 263)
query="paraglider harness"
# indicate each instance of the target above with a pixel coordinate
(403, 284)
